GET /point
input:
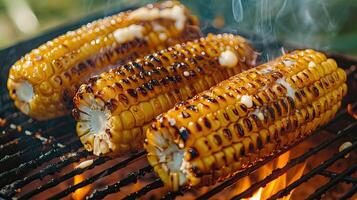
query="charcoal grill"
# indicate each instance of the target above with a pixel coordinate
(38, 157)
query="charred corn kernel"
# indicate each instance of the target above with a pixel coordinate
(59, 66)
(141, 90)
(247, 117)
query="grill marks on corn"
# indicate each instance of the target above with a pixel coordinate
(68, 60)
(229, 127)
(156, 82)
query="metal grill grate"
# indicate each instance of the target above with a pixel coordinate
(31, 151)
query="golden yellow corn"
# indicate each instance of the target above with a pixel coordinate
(245, 118)
(114, 109)
(44, 81)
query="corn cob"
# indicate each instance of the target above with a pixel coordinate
(44, 81)
(245, 118)
(114, 109)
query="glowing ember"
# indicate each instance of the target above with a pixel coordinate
(81, 192)
(350, 111)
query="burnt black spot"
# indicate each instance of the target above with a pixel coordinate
(164, 81)
(259, 143)
(196, 172)
(123, 98)
(111, 104)
(118, 85)
(307, 116)
(184, 133)
(251, 147)
(243, 107)
(260, 100)
(257, 121)
(153, 58)
(218, 139)
(107, 131)
(315, 91)
(239, 129)
(268, 138)
(284, 104)
(89, 88)
(192, 107)
(226, 116)
(227, 133)
(126, 81)
(271, 113)
(93, 79)
(207, 123)
(313, 113)
(248, 124)
(242, 151)
(133, 78)
(142, 90)
(291, 103)
(235, 111)
(192, 73)
(198, 127)
(132, 92)
(185, 114)
(278, 108)
(199, 57)
(303, 93)
(129, 68)
(137, 65)
(149, 64)
(193, 153)
(148, 86)
(298, 96)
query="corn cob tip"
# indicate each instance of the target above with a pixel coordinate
(23, 91)
(93, 126)
(172, 158)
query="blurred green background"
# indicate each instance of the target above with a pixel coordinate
(321, 24)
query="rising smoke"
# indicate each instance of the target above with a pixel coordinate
(306, 23)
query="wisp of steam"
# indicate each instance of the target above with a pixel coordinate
(304, 23)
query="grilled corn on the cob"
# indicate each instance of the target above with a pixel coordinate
(245, 118)
(114, 109)
(44, 81)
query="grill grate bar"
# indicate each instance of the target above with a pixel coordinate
(102, 174)
(12, 133)
(35, 147)
(280, 171)
(28, 137)
(15, 173)
(10, 190)
(330, 174)
(313, 172)
(349, 193)
(110, 189)
(69, 175)
(152, 186)
(32, 152)
(7, 107)
(321, 190)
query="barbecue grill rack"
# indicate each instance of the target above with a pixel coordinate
(31, 151)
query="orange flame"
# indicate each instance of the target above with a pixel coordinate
(81, 192)
(280, 182)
